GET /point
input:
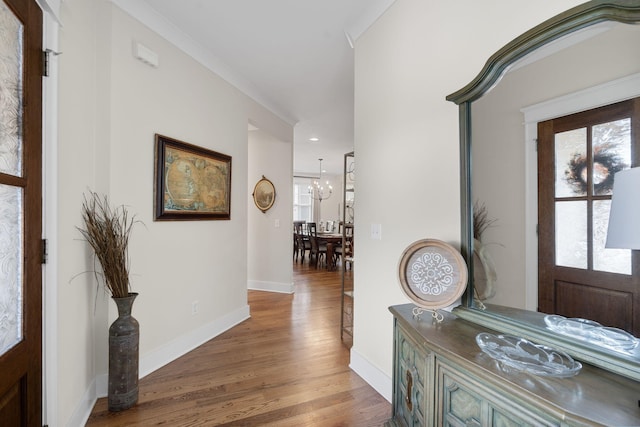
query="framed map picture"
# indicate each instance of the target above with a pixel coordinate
(191, 182)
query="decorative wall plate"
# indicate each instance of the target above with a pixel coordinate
(264, 194)
(432, 273)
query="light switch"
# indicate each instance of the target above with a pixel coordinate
(277, 223)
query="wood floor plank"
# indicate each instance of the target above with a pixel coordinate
(285, 366)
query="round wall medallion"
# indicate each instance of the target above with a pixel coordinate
(432, 273)
(264, 194)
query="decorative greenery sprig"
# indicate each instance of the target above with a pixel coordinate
(108, 230)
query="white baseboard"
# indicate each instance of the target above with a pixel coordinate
(377, 379)
(172, 350)
(83, 408)
(257, 285)
(184, 344)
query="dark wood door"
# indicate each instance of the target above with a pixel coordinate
(577, 158)
(20, 213)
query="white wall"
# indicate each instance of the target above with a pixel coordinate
(406, 140)
(270, 234)
(78, 170)
(111, 105)
(499, 141)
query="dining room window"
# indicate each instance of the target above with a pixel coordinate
(302, 202)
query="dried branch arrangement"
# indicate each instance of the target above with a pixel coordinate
(108, 230)
(481, 220)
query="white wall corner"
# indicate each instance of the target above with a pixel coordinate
(258, 285)
(377, 379)
(102, 385)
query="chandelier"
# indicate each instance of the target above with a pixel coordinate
(319, 192)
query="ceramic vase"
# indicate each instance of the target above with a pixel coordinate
(124, 337)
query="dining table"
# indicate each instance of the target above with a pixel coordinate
(331, 240)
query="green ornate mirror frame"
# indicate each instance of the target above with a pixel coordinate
(524, 323)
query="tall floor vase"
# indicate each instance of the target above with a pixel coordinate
(124, 337)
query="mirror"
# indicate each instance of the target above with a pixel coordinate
(568, 54)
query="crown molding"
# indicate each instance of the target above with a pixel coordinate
(375, 9)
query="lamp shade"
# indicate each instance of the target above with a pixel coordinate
(624, 218)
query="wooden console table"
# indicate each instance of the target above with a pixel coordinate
(441, 377)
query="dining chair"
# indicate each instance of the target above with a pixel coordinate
(329, 227)
(318, 248)
(345, 251)
(301, 242)
(297, 228)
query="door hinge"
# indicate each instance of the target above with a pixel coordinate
(45, 253)
(45, 60)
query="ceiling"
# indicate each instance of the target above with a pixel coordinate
(295, 57)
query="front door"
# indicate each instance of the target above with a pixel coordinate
(578, 156)
(20, 213)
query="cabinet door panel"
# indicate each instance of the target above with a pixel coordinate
(502, 419)
(460, 406)
(413, 401)
(464, 400)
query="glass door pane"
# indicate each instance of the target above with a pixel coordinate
(571, 234)
(571, 163)
(611, 153)
(11, 35)
(11, 269)
(11, 196)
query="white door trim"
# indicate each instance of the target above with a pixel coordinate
(49, 225)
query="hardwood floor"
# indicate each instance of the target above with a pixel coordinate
(285, 366)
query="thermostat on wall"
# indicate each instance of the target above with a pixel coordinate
(145, 54)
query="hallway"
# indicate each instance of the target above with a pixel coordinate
(285, 366)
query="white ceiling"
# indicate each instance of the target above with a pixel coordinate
(293, 56)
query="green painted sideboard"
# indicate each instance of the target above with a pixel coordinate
(442, 378)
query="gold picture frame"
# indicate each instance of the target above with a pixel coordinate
(191, 182)
(264, 194)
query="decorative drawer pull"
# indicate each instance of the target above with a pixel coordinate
(407, 398)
